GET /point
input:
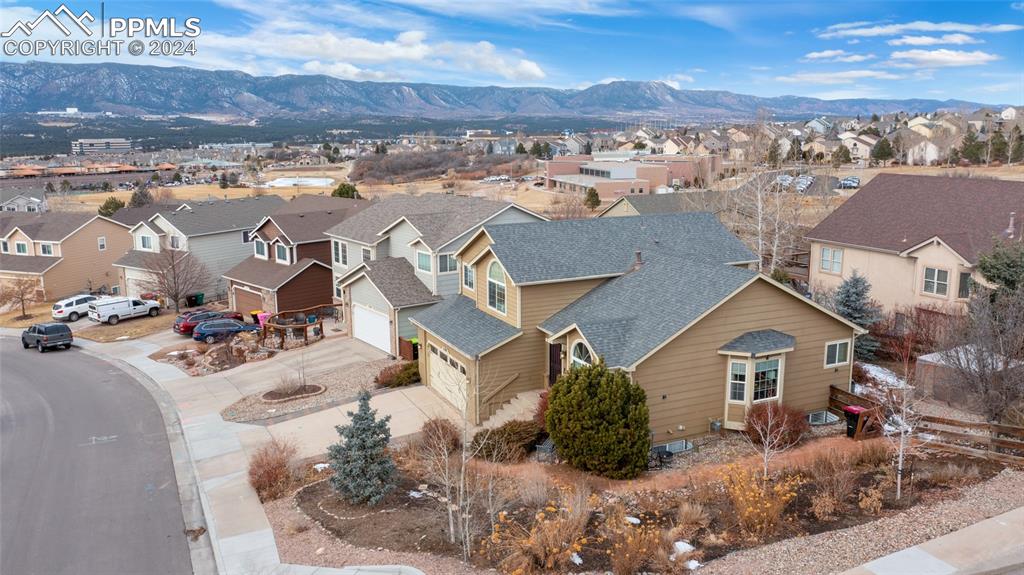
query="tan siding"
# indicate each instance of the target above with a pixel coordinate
(691, 374)
(84, 266)
(310, 288)
(623, 208)
(19, 236)
(511, 315)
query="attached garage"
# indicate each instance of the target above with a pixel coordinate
(447, 377)
(372, 327)
(244, 301)
(276, 287)
(135, 281)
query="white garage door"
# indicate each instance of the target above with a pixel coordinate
(447, 377)
(371, 327)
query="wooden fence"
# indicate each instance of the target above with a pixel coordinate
(870, 424)
(1004, 443)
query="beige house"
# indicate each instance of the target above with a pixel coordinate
(68, 253)
(670, 299)
(917, 239)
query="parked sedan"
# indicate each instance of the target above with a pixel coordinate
(186, 322)
(218, 329)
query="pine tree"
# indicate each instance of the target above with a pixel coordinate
(346, 190)
(774, 154)
(853, 301)
(999, 150)
(1004, 265)
(223, 180)
(970, 148)
(599, 421)
(140, 197)
(363, 470)
(841, 156)
(882, 150)
(520, 148)
(1017, 147)
(545, 150)
(588, 148)
(110, 207)
(592, 200)
(536, 150)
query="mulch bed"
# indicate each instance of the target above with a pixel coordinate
(306, 390)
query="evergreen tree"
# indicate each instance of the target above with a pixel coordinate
(48, 189)
(874, 117)
(1017, 148)
(140, 197)
(383, 148)
(841, 156)
(588, 148)
(970, 148)
(1004, 265)
(110, 207)
(223, 180)
(546, 150)
(520, 148)
(599, 421)
(176, 177)
(853, 301)
(65, 186)
(536, 150)
(363, 470)
(882, 151)
(490, 148)
(773, 157)
(998, 149)
(105, 186)
(346, 190)
(592, 201)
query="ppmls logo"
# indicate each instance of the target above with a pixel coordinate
(27, 28)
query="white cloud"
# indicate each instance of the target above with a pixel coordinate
(676, 80)
(760, 68)
(520, 12)
(1018, 6)
(697, 70)
(715, 15)
(933, 40)
(836, 56)
(850, 93)
(829, 78)
(942, 58)
(1003, 87)
(866, 29)
(344, 70)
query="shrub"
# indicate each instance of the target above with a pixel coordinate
(951, 474)
(874, 453)
(510, 441)
(441, 431)
(631, 548)
(824, 506)
(534, 487)
(542, 411)
(870, 501)
(758, 502)
(833, 476)
(792, 421)
(690, 518)
(363, 469)
(599, 421)
(270, 472)
(398, 375)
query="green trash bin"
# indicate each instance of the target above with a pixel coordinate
(200, 298)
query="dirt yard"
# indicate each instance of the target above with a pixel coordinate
(37, 313)
(127, 329)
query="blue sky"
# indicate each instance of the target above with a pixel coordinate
(964, 50)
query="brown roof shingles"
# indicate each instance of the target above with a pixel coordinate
(895, 212)
(43, 226)
(267, 274)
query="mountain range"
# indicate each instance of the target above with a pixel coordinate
(135, 90)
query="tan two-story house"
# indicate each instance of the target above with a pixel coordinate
(917, 239)
(67, 253)
(670, 299)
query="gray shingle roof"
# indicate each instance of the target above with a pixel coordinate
(692, 201)
(397, 282)
(762, 341)
(267, 274)
(440, 218)
(222, 216)
(310, 226)
(134, 259)
(315, 203)
(625, 318)
(27, 264)
(564, 249)
(457, 321)
(132, 216)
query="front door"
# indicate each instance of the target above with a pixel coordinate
(554, 362)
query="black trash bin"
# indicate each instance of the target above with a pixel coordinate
(191, 300)
(852, 418)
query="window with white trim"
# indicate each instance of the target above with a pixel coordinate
(261, 248)
(336, 250)
(4, 247)
(468, 276)
(282, 253)
(737, 381)
(936, 281)
(20, 248)
(337, 289)
(766, 379)
(175, 243)
(832, 260)
(423, 261)
(101, 243)
(837, 353)
(146, 242)
(581, 355)
(343, 247)
(446, 264)
(46, 249)
(367, 254)
(496, 287)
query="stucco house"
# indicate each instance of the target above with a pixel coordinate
(670, 299)
(917, 239)
(68, 253)
(216, 233)
(398, 256)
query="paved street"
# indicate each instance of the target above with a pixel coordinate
(87, 485)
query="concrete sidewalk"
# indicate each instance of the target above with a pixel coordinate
(241, 536)
(995, 545)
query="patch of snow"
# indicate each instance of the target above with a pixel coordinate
(884, 376)
(683, 547)
(416, 494)
(692, 564)
(633, 520)
(575, 558)
(122, 338)
(321, 466)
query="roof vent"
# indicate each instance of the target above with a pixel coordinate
(639, 261)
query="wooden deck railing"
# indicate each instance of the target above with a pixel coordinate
(279, 324)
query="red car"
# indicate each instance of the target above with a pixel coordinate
(186, 322)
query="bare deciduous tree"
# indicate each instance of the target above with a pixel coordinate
(568, 207)
(770, 434)
(19, 292)
(899, 402)
(174, 274)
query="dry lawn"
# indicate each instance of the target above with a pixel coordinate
(1001, 172)
(128, 329)
(38, 313)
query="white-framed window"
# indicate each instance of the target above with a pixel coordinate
(936, 281)
(282, 253)
(738, 381)
(964, 287)
(30, 208)
(260, 248)
(468, 276)
(4, 248)
(46, 249)
(496, 287)
(337, 290)
(423, 261)
(101, 243)
(446, 263)
(832, 260)
(837, 353)
(581, 355)
(766, 379)
(20, 248)
(336, 251)
(367, 254)
(343, 253)
(175, 243)
(115, 290)
(146, 242)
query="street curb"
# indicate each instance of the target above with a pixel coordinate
(194, 504)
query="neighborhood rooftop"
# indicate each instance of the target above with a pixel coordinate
(312, 202)
(268, 274)
(965, 213)
(604, 247)
(396, 280)
(457, 321)
(200, 218)
(43, 226)
(310, 226)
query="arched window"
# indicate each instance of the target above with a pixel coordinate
(496, 287)
(581, 355)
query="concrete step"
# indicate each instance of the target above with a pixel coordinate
(522, 406)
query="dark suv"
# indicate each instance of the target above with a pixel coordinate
(46, 335)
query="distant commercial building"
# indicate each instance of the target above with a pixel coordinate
(101, 146)
(638, 175)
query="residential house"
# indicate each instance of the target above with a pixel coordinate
(1011, 113)
(922, 153)
(860, 148)
(216, 233)
(820, 125)
(290, 266)
(397, 256)
(67, 252)
(710, 144)
(31, 199)
(712, 201)
(917, 239)
(670, 299)
(820, 149)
